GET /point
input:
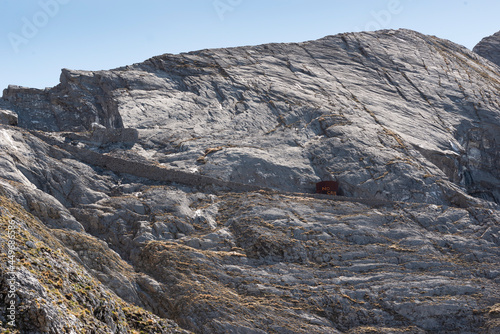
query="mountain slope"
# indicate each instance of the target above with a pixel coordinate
(489, 48)
(197, 171)
(378, 111)
(56, 294)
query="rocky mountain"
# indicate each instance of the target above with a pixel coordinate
(489, 48)
(177, 194)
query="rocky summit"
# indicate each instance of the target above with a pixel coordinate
(178, 195)
(489, 48)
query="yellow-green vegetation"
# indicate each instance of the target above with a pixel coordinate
(194, 288)
(52, 283)
(210, 150)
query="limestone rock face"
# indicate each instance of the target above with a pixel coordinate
(489, 48)
(392, 114)
(7, 117)
(73, 105)
(184, 185)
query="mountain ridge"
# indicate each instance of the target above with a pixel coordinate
(195, 173)
(101, 105)
(489, 48)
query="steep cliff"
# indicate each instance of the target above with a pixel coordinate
(195, 172)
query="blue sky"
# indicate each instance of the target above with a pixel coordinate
(39, 37)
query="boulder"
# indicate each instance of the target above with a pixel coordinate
(7, 117)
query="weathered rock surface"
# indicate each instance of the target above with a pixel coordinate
(183, 185)
(7, 116)
(54, 293)
(392, 114)
(105, 136)
(489, 48)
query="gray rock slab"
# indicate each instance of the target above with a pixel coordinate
(489, 48)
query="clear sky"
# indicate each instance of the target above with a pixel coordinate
(39, 37)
